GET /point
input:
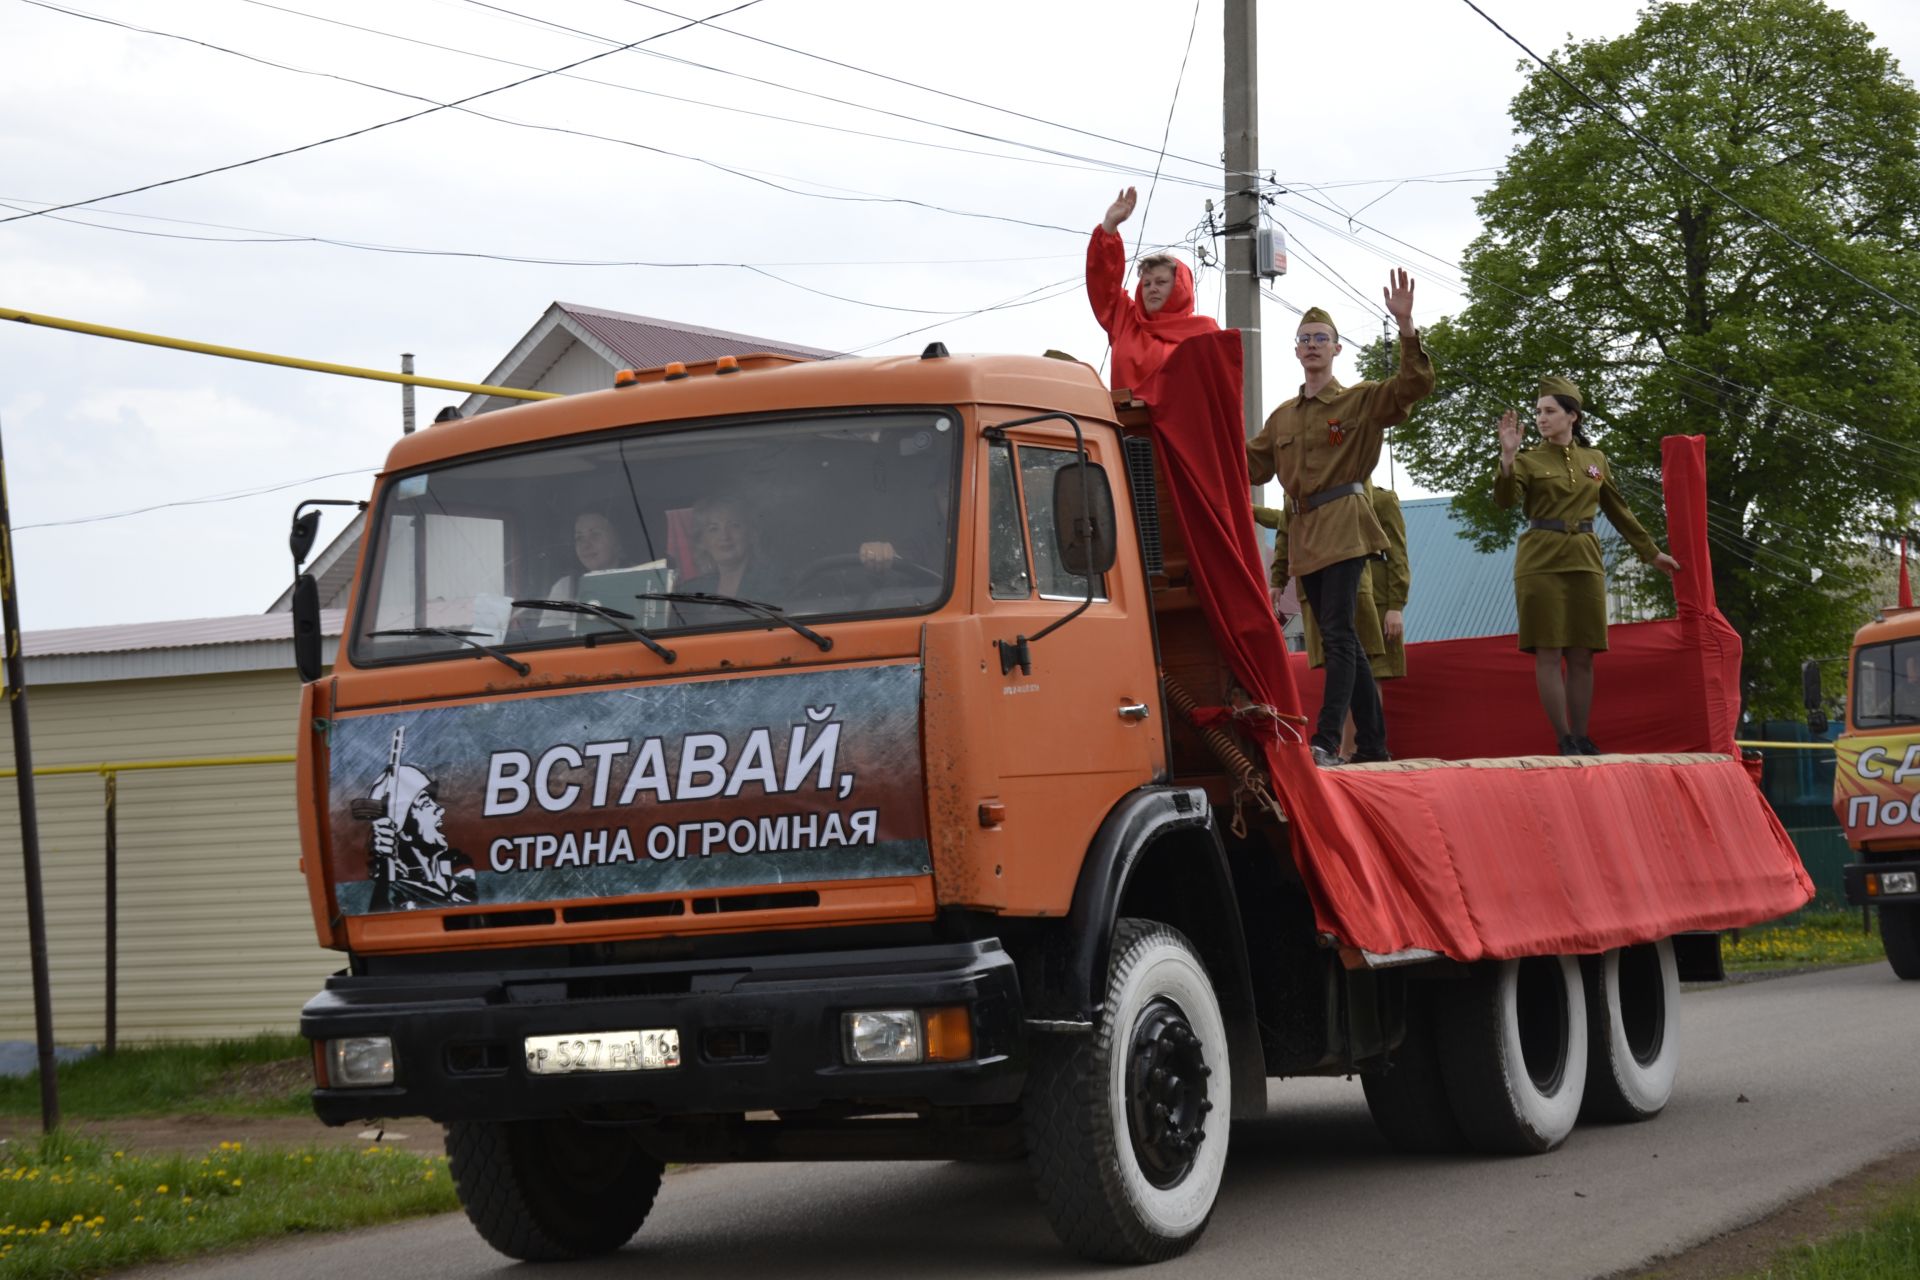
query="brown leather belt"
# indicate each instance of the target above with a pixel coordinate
(1560, 526)
(1314, 501)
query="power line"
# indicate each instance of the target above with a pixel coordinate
(1088, 165)
(925, 88)
(852, 196)
(256, 235)
(1165, 133)
(1687, 169)
(211, 499)
(355, 133)
(1024, 299)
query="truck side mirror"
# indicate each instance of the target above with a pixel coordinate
(306, 627)
(306, 525)
(1083, 519)
(1810, 693)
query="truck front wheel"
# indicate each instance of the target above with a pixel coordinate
(1127, 1127)
(1900, 934)
(550, 1190)
(1513, 1047)
(1633, 1015)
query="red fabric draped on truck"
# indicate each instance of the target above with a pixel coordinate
(1494, 858)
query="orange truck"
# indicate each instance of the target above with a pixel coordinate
(768, 760)
(1876, 778)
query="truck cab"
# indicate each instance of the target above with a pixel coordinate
(1876, 784)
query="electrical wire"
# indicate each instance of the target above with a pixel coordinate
(355, 133)
(1650, 145)
(1090, 165)
(211, 499)
(1165, 133)
(1023, 299)
(1210, 166)
(851, 196)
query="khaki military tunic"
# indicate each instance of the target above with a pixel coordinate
(1560, 579)
(1392, 579)
(1322, 442)
(1366, 614)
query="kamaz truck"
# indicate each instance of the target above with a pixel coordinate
(893, 790)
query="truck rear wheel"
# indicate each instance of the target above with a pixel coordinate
(1900, 934)
(1127, 1127)
(1409, 1098)
(1513, 1048)
(550, 1190)
(1633, 1008)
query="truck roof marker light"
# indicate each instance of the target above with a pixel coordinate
(935, 351)
(676, 370)
(727, 364)
(626, 378)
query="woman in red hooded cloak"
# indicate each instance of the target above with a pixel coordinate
(1145, 328)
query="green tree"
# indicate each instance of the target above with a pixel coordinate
(1678, 313)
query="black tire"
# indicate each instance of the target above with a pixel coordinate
(1513, 1049)
(551, 1190)
(1633, 1024)
(1900, 935)
(1408, 1098)
(1118, 1182)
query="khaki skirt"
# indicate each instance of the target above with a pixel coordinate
(1562, 611)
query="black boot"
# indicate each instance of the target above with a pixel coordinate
(1586, 746)
(1570, 745)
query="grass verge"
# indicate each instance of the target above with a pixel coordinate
(1888, 1248)
(72, 1206)
(1815, 938)
(261, 1075)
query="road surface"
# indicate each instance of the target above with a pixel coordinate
(1786, 1085)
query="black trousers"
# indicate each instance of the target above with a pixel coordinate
(1332, 592)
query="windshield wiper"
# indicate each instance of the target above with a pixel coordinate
(770, 611)
(464, 637)
(617, 618)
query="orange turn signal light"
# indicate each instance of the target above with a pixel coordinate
(676, 370)
(626, 377)
(1873, 885)
(949, 1033)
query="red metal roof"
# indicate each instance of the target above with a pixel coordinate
(642, 342)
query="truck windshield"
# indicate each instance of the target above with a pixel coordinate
(822, 517)
(1886, 684)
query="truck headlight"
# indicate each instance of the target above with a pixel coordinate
(1892, 882)
(360, 1062)
(882, 1035)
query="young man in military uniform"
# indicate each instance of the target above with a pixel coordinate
(1322, 445)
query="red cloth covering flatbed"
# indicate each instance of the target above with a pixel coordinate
(1493, 858)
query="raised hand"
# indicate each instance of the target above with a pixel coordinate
(1509, 438)
(1399, 299)
(1121, 209)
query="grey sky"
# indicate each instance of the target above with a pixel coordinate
(1354, 97)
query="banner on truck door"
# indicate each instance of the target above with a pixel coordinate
(610, 793)
(1876, 787)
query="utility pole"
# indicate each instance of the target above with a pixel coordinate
(1242, 147)
(16, 670)
(406, 395)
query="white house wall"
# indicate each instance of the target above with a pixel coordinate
(216, 938)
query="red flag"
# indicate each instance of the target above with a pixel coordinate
(1906, 590)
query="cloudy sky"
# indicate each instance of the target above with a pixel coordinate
(909, 158)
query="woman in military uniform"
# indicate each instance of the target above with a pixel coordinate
(1559, 579)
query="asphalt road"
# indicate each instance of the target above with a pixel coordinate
(1786, 1085)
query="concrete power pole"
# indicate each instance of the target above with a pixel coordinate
(406, 395)
(1242, 102)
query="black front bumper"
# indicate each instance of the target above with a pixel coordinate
(756, 1033)
(1854, 877)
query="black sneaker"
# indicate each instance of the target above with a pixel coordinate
(1570, 746)
(1370, 757)
(1586, 746)
(1327, 759)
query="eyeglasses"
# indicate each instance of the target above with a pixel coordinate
(1311, 339)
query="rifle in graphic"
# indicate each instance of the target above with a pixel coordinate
(368, 809)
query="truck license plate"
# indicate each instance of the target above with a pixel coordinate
(603, 1051)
